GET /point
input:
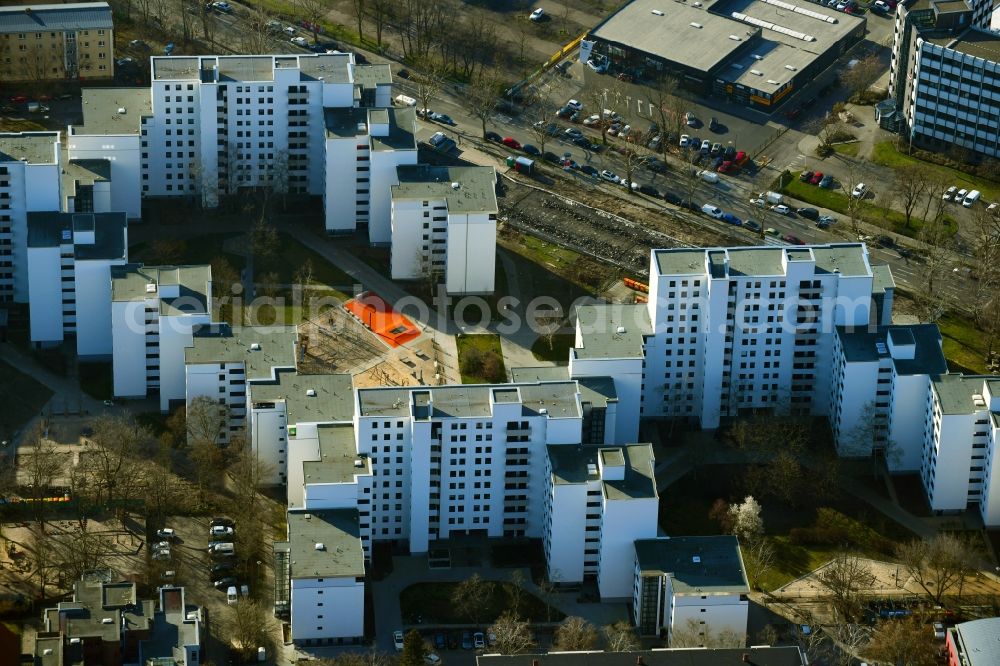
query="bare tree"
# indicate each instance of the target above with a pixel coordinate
(910, 186)
(370, 658)
(314, 11)
(481, 96)
(621, 637)
(471, 597)
(859, 77)
(41, 466)
(115, 467)
(209, 25)
(907, 641)
(429, 82)
(938, 565)
(515, 591)
(846, 578)
(851, 641)
(358, 9)
(540, 108)
(187, 10)
(255, 36)
(693, 634)
(574, 634)
(248, 625)
(513, 635)
(381, 13)
(668, 108)
(758, 558)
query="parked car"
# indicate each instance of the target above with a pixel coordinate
(655, 165)
(726, 166)
(752, 225)
(822, 224)
(650, 190)
(479, 640)
(938, 631)
(817, 177)
(859, 191)
(690, 119)
(530, 149)
(576, 105)
(672, 197)
(442, 118)
(493, 136)
(223, 7)
(713, 125)
(166, 533)
(551, 157)
(584, 142)
(729, 218)
(949, 195)
(221, 567)
(706, 146)
(808, 213)
(716, 148)
(223, 583)
(565, 112)
(794, 240)
(441, 641)
(685, 141)
(511, 142)
(826, 182)
(432, 659)
(598, 66)
(224, 522)
(537, 15)
(610, 176)
(828, 219)
(712, 211)
(397, 640)
(729, 153)
(466, 640)
(590, 170)
(299, 41)
(572, 132)
(590, 121)
(781, 209)
(220, 531)
(805, 176)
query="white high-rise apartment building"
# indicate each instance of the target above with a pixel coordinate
(944, 74)
(154, 313)
(444, 223)
(729, 330)
(70, 258)
(29, 181)
(961, 438)
(222, 123)
(881, 379)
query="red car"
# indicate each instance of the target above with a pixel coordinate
(818, 176)
(19, 99)
(740, 158)
(794, 240)
(726, 167)
(511, 142)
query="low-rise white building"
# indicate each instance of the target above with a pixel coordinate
(29, 181)
(881, 379)
(693, 585)
(324, 567)
(154, 313)
(598, 501)
(444, 225)
(70, 258)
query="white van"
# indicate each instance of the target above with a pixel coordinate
(971, 198)
(709, 176)
(404, 100)
(231, 597)
(712, 211)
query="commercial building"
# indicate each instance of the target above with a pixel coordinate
(70, 258)
(106, 623)
(752, 52)
(690, 586)
(444, 224)
(944, 74)
(758, 655)
(57, 42)
(974, 643)
(155, 311)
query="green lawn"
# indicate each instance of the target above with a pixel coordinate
(558, 352)
(21, 396)
(199, 251)
(293, 254)
(685, 506)
(97, 380)
(480, 359)
(963, 344)
(848, 149)
(885, 153)
(838, 201)
(433, 603)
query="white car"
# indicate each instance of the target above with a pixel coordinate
(859, 191)
(712, 211)
(706, 146)
(290, 30)
(299, 41)
(592, 120)
(479, 640)
(537, 15)
(166, 533)
(220, 530)
(781, 209)
(610, 176)
(432, 659)
(397, 640)
(938, 631)
(685, 141)
(950, 194)
(960, 195)
(574, 104)
(758, 202)
(992, 208)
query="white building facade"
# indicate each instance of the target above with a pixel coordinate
(70, 258)
(154, 313)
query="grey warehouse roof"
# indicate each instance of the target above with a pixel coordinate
(131, 283)
(102, 110)
(476, 191)
(55, 17)
(339, 460)
(612, 330)
(957, 393)
(334, 399)
(695, 564)
(30, 147)
(337, 530)
(260, 348)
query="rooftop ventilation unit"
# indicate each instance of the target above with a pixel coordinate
(772, 82)
(455, 186)
(320, 546)
(311, 393)
(592, 469)
(108, 620)
(756, 57)
(359, 463)
(121, 110)
(736, 65)
(620, 329)
(736, 38)
(881, 348)
(696, 559)
(695, 25)
(756, 72)
(790, 68)
(67, 235)
(657, 12)
(151, 288)
(255, 346)
(362, 128)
